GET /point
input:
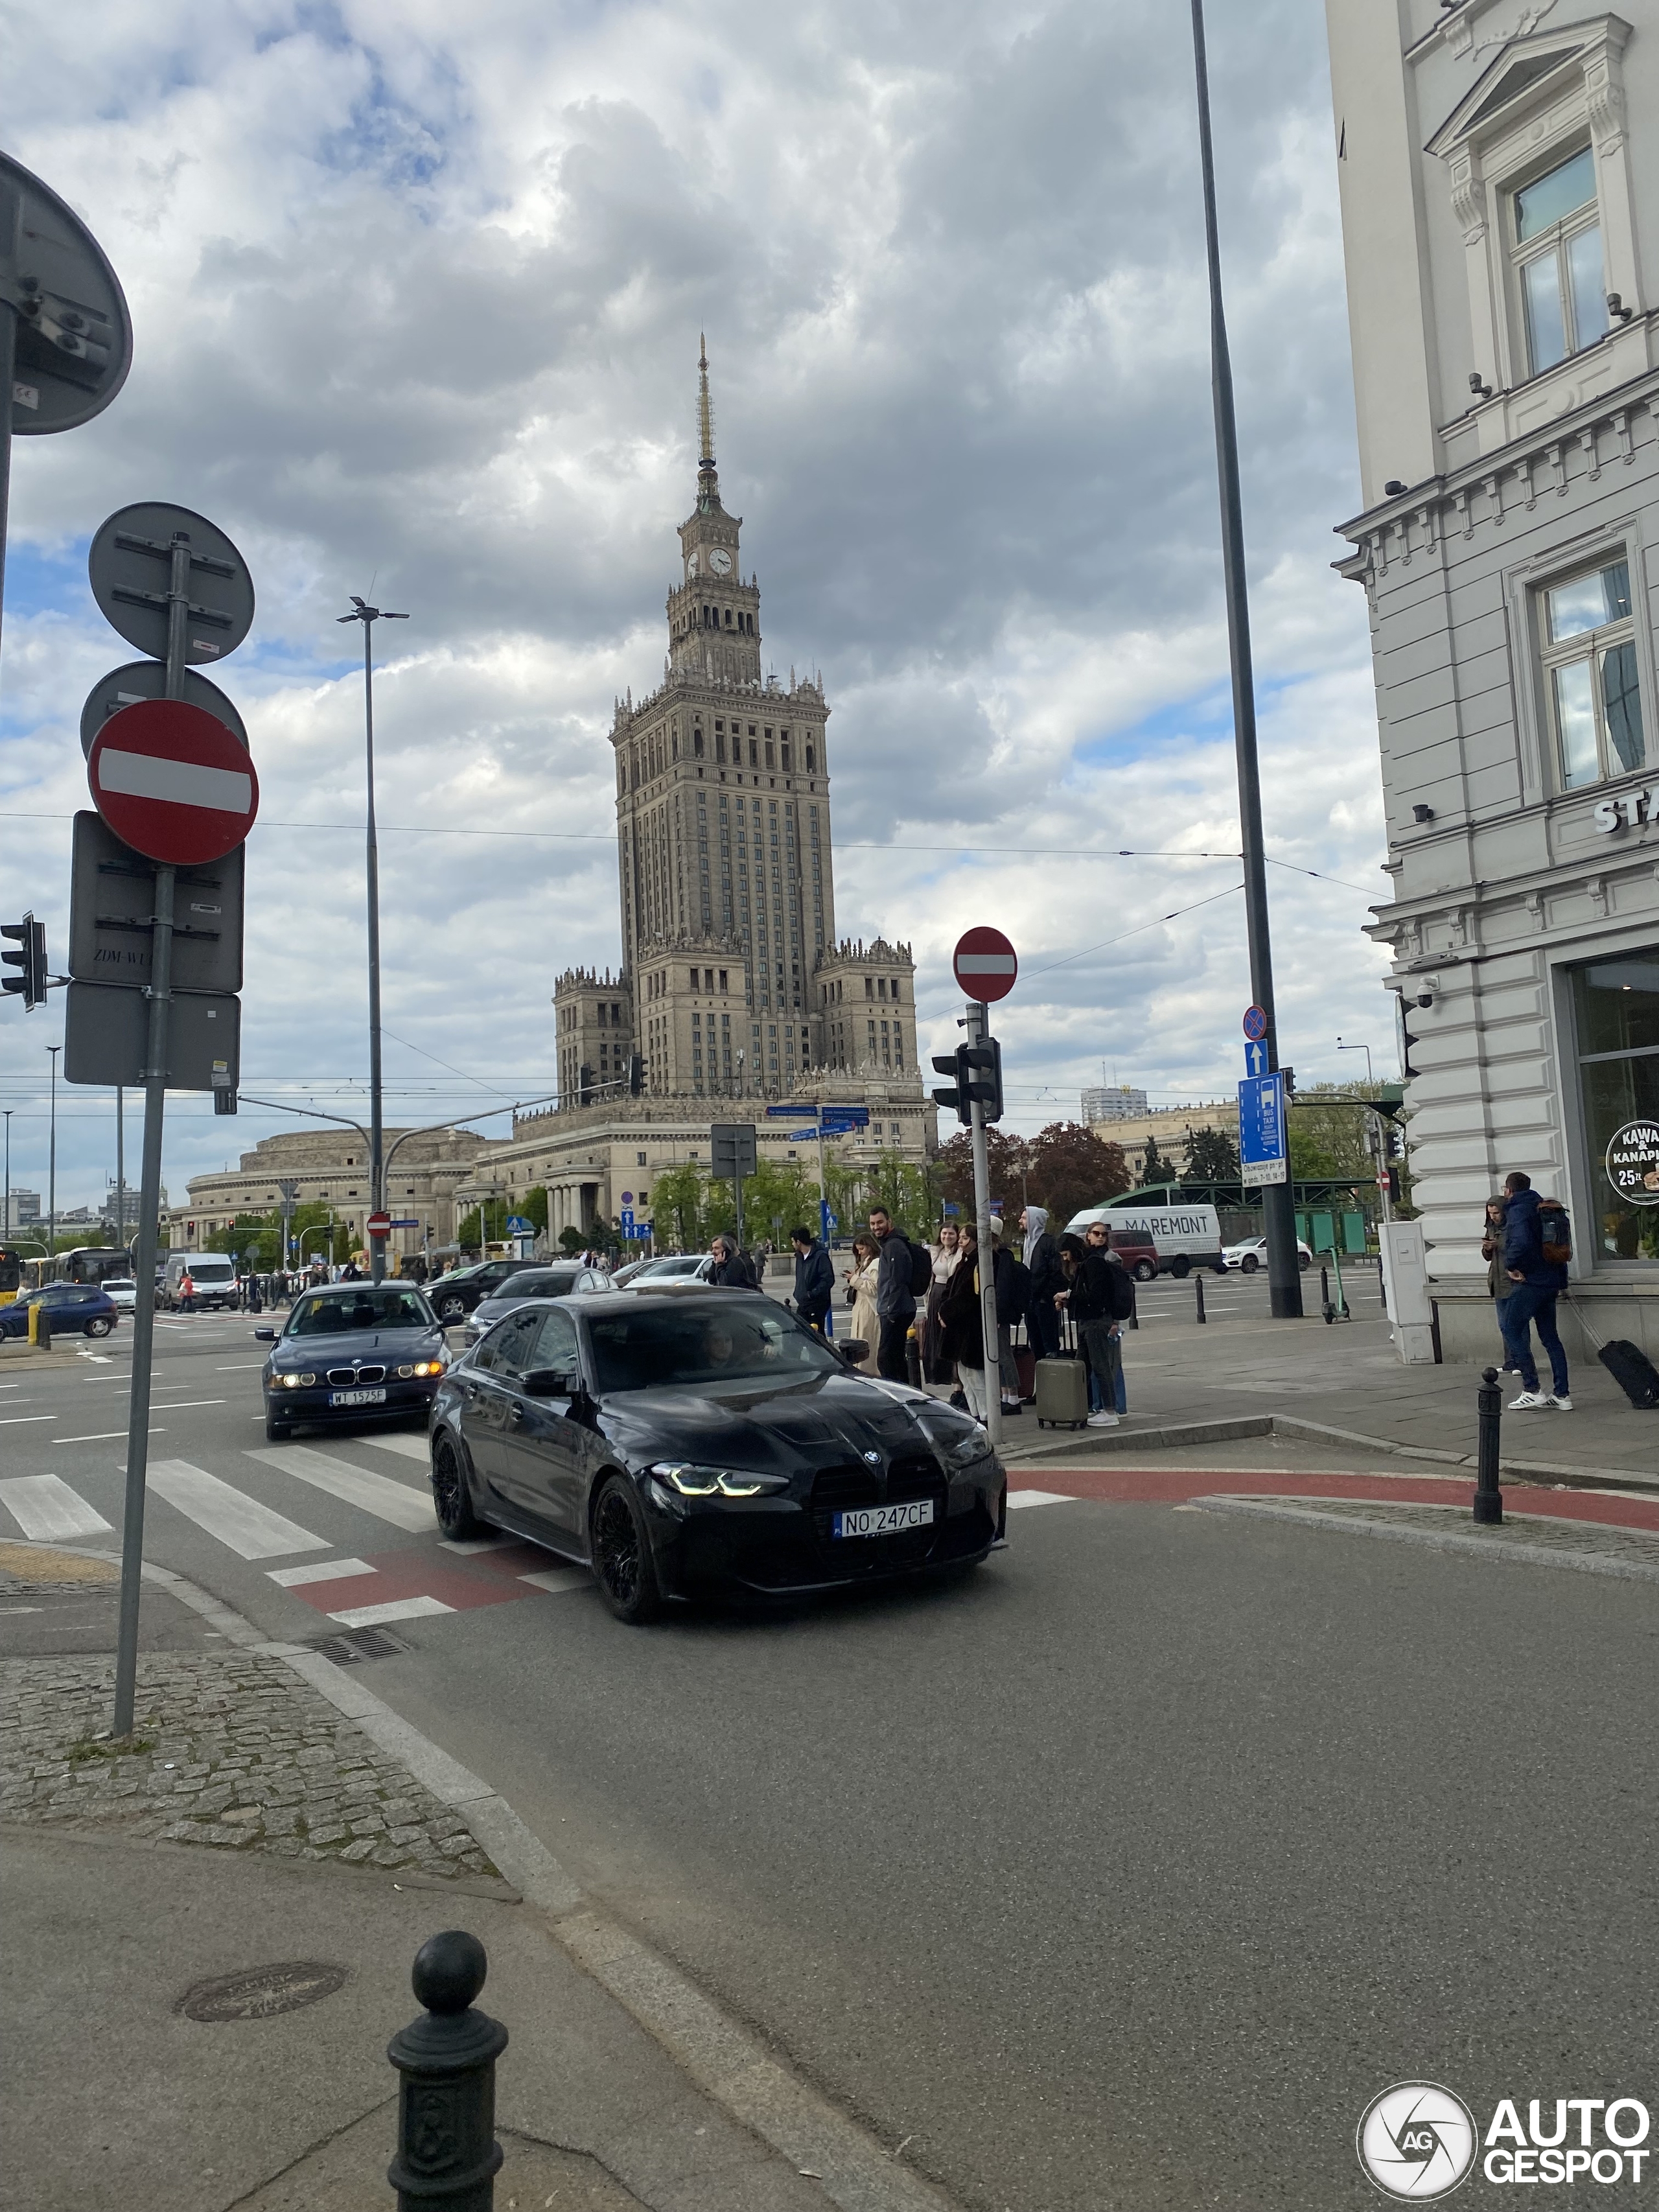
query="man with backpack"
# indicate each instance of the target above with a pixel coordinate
(1537, 1246)
(903, 1269)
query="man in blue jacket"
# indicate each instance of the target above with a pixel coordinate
(1536, 1282)
(815, 1279)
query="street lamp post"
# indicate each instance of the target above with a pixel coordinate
(5, 1224)
(368, 616)
(51, 1159)
(1365, 1049)
(1284, 1274)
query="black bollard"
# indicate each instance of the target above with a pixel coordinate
(1325, 1305)
(1488, 1498)
(447, 2154)
(1198, 1285)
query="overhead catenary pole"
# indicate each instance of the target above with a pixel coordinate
(52, 1158)
(368, 616)
(979, 1028)
(160, 994)
(1283, 1275)
(11, 220)
(120, 1169)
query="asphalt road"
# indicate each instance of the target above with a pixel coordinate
(1122, 1875)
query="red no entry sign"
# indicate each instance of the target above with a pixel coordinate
(173, 782)
(380, 1224)
(985, 965)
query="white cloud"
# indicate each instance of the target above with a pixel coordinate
(416, 298)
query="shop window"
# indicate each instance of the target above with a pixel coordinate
(1616, 1018)
(1588, 645)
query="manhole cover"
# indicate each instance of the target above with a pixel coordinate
(262, 1992)
(352, 1645)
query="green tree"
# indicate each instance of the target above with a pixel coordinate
(1211, 1157)
(1068, 1168)
(314, 1216)
(256, 1238)
(572, 1240)
(1327, 1133)
(1155, 1169)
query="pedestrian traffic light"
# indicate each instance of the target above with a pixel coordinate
(1396, 1141)
(1388, 1179)
(31, 936)
(224, 1102)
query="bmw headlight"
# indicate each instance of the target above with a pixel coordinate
(425, 1367)
(969, 1452)
(294, 1381)
(692, 1481)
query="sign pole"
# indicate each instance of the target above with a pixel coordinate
(979, 1023)
(160, 994)
(11, 223)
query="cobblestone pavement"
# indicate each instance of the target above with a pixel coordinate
(233, 1752)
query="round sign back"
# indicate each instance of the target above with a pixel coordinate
(1632, 1162)
(173, 782)
(73, 334)
(148, 679)
(130, 566)
(985, 965)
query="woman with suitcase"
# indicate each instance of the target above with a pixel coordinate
(1093, 1299)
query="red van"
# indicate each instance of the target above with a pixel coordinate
(1137, 1251)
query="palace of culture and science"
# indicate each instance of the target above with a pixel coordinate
(735, 992)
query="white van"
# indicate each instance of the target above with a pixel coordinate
(1184, 1237)
(212, 1273)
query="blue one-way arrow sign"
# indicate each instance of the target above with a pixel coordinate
(1255, 1058)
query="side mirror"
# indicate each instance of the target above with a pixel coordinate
(266, 1335)
(551, 1382)
(851, 1349)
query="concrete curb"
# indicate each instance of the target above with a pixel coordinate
(1434, 1539)
(724, 2058)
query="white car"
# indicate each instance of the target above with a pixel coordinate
(122, 1291)
(1251, 1252)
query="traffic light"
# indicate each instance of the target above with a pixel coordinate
(224, 1102)
(953, 1100)
(31, 936)
(1396, 1141)
(1389, 1180)
(978, 1072)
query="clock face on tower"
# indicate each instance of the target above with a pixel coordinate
(691, 564)
(721, 561)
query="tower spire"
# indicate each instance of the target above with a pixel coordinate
(705, 408)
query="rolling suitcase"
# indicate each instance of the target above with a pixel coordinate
(1026, 1364)
(1628, 1364)
(1062, 1394)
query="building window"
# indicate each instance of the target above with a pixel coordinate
(1559, 265)
(1616, 1016)
(1589, 671)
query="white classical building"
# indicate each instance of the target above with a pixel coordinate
(1500, 174)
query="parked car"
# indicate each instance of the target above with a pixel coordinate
(557, 1280)
(122, 1292)
(454, 1295)
(684, 1439)
(352, 1351)
(70, 1307)
(1251, 1252)
(670, 1268)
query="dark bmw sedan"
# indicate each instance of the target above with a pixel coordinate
(351, 1352)
(684, 1439)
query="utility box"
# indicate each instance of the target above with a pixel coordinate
(1406, 1286)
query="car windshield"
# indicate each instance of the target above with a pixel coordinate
(357, 1305)
(539, 1286)
(658, 1350)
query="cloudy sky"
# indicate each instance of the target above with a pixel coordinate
(417, 293)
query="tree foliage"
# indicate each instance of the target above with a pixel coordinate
(1155, 1169)
(1065, 1167)
(1211, 1157)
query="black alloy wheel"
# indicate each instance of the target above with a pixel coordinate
(1248, 1264)
(451, 1309)
(100, 1325)
(1181, 1268)
(623, 1564)
(451, 1498)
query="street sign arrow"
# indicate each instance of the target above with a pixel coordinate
(129, 568)
(985, 965)
(1255, 1058)
(173, 782)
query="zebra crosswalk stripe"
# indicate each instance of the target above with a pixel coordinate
(48, 1511)
(396, 1502)
(246, 1527)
